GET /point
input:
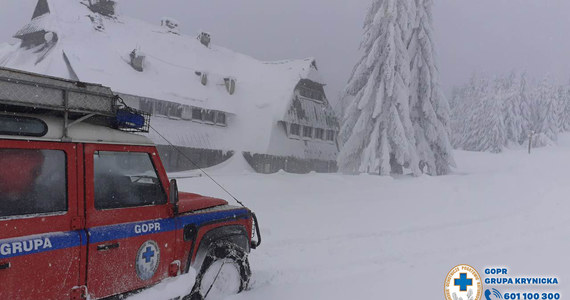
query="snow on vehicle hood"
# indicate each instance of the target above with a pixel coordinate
(189, 202)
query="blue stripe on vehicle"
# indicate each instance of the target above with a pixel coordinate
(38, 244)
(201, 219)
(83, 236)
(123, 231)
(62, 240)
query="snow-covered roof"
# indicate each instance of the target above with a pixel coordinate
(95, 48)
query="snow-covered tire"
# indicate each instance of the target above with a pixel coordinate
(224, 271)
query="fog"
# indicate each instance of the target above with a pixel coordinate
(489, 36)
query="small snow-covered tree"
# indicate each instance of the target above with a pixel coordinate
(564, 98)
(377, 135)
(457, 105)
(560, 110)
(464, 102)
(543, 112)
(525, 104)
(429, 109)
(508, 90)
(485, 124)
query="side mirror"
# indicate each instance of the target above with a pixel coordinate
(174, 195)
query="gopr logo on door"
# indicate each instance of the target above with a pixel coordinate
(148, 258)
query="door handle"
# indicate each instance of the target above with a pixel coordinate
(107, 247)
(4, 266)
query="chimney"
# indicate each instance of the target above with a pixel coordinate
(104, 7)
(137, 60)
(230, 84)
(203, 77)
(170, 24)
(204, 39)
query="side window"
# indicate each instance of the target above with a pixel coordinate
(32, 182)
(319, 133)
(330, 135)
(196, 114)
(307, 131)
(295, 129)
(126, 179)
(210, 116)
(221, 118)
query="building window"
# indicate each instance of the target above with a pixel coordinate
(295, 129)
(160, 109)
(319, 133)
(175, 111)
(330, 135)
(307, 132)
(146, 106)
(210, 116)
(311, 94)
(196, 114)
(221, 118)
(187, 113)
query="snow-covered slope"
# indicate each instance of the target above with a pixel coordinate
(371, 237)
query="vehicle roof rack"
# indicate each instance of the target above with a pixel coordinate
(19, 88)
(78, 101)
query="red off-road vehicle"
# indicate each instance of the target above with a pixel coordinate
(87, 210)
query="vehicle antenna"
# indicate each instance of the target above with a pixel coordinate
(196, 165)
(188, 158)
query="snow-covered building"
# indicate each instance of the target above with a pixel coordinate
(210, 101)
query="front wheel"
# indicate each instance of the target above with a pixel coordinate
(224, 271)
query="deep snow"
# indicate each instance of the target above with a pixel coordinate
(369, 237)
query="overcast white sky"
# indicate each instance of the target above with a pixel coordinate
(490, 36)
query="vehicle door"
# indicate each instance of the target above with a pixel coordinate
(128, 219)
(40, 236)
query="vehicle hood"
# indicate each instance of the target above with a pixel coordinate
(188, 202)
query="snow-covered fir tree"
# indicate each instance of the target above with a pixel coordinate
(479, 118)
(561, 94)
(462, 103)
(508, 90)
(377, 135)
(525, 102)
(564, 98)
(544, 113)
(492, 117)
(397, 117)
(429, 108)
(457, 106)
